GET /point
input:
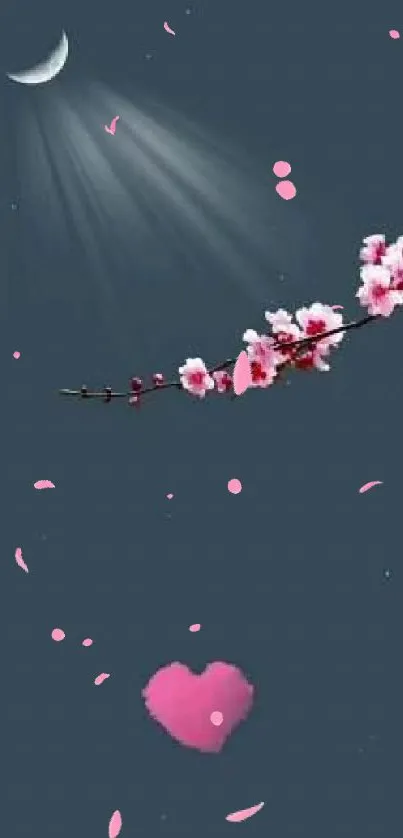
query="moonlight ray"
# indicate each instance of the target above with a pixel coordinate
(160, 188)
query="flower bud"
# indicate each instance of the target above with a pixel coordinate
(158, 379)
(223, 381)
(227, 381)
(136, 384)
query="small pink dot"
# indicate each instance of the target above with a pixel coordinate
(286, 189)
(170, 496)
(87, 642)
(16, 354)
(234, 486)
(281, 168)
(394, 33)
(195, 627)
(58, 635)
(216, 718)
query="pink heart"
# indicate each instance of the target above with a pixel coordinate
(183, 702)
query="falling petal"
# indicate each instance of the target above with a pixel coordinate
(115, 824)
(170, 496)
(20, 560)
(369, 485)
(281, 168)
(44, 484)
(168, 29)
(87, 642)
(16, 354)
(216, 718)
(195, 627)
(101, 678)
(234, 486)
(242, 375)
(286, 189)
(58, 635)
(244, 814)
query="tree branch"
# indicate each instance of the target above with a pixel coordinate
(107, 394)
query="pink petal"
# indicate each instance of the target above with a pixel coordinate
(168, 28)
(242, 375)
(286, 189)
(281, 168)
(394, 33)
(87, 642)
(170, 496)
(100, 680)
(234, 486)
(195, 627)
(369, 485)
(16, 354)
(115, 824)
(244, 814)
(58, 635)
(20, 560)
(44, 484)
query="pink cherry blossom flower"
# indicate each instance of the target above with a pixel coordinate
(287, 352)
(285, 331)
(195, 377)
(373, 250)
(376, 293)
(257, 344)
(320, 318)
(262, 375)
(263, 357)
(394, 249)
(260, 347)
(303, 340)
(223, 381)
(393, 261)
(313, 358)
(279, 320)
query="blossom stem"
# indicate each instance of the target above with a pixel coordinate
(107, 394)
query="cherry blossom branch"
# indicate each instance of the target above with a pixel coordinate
(137, 390)
(304, 344)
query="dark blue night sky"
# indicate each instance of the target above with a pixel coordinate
(122, 256)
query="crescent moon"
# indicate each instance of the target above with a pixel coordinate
(48, 69)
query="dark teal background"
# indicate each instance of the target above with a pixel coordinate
(288, 578)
